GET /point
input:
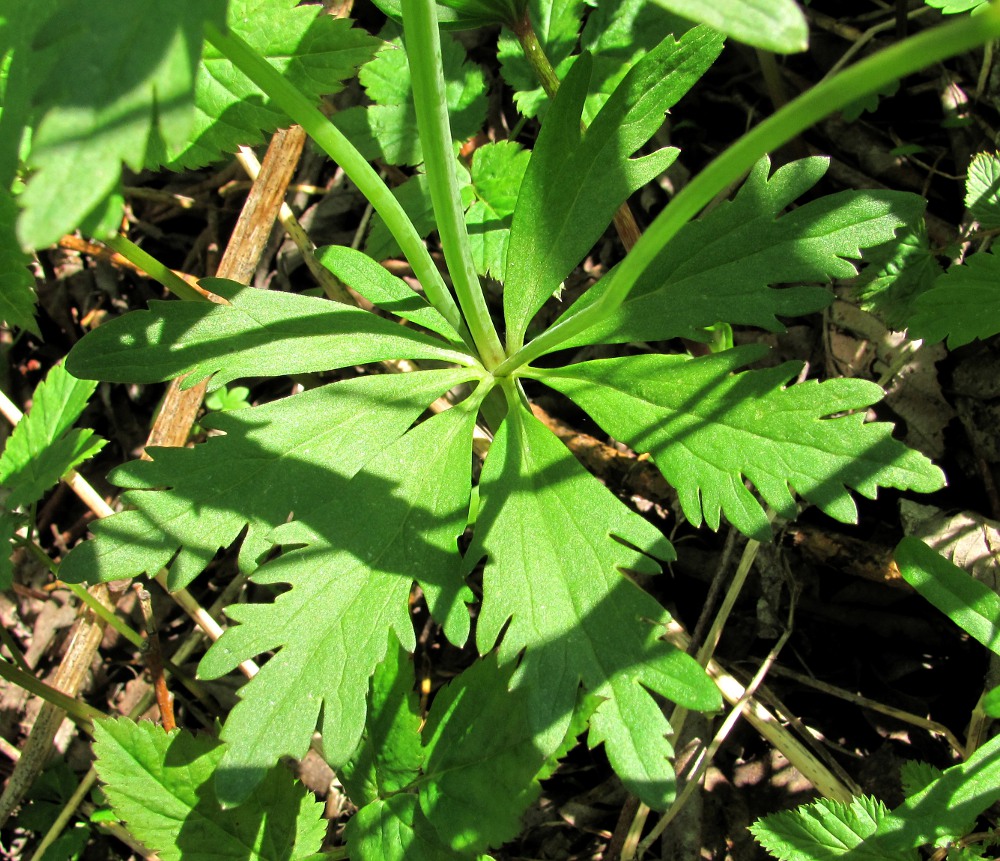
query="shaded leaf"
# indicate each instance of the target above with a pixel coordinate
(556, 543)
(395, 829)
(44, 447)
(982, 190)
(496, 172)
(278, 459)
(709, 429)
(17, 294)
(351, 577)
(963, 304)
(260, 333)
(575, 181)
(9, 524)
(160, 784)
(723, 266)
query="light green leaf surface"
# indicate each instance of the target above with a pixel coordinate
(916, 776)
(391, 122)
(395, 829)
(390, 755)
(556, 543)
(899, 272)
(44, 447)
(17, 294)
(825, 830)
(314, 50)
(708, 429)
(557, 25)
(481, 759)
(91, 121)
(497, 171)
(952, 7)
(260, 333)
(982, 190)
(723, 267)
(379, 287)
(775, 25)
(961, 597)
(397, 521)
(963, 304)
(575, 181)
(160, 785)
(286, 457)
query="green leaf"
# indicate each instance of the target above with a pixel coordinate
(951, 7)
(497, 171)
(397, 521)
(379, 287)
(722, 266)
(982, 190)
(825, 830)
(160, 784)
(395, 829)
(964, 303)
(775, 25)
(17, 295)
(44, 447)
(900, 272)
(90, 121)
(9, 524)
(391, 122)
(260, 333)
(961, 597)
(557, 26)
(277, 459)
(575, 181)
(708, 429)
(389, 756)
(556, 543)
(481, 759)
(315, 51)
(916, 776)
(991, 703)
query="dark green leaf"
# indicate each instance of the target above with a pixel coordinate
(964, 303)
(394, 829)
(281, 458)
(557, 543)
(708, 429)
(982, 190)
(260, 333)
(160, 784)
(17, 296)
(575, 181)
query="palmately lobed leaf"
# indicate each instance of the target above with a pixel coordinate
(260, 333)
(723, 266)
(351, 566)
(556, 544)
(160, 785)
(275, 460)
(708, 428)
(575, 181)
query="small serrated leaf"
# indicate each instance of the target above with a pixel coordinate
(259, 333)
(982, 190)
(556, 543)
(44, 447)
(17, 295)
(708, 429)
(496, 172)
(963, 304)
(160, 785)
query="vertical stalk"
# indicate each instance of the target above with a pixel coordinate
(344, 153)
(423, 50)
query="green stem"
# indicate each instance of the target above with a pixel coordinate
(727, 169)
(77, 709)
(153, 268)
(423, 51)
(535, 54)
(333, 142)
